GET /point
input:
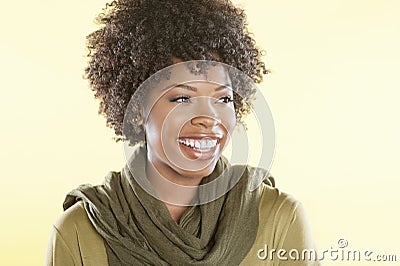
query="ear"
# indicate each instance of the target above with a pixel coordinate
(138, 120)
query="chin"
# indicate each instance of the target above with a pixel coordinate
(197, 173)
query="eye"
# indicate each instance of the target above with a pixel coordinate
(181, 99)
(226, 99)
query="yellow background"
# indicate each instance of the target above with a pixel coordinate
(334, 94)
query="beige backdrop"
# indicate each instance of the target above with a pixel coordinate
(334, 93)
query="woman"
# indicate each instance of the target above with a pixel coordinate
(177, 201)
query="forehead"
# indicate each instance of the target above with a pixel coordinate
(204, 71)
(187, 72)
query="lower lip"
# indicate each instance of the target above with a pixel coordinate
(199, 155)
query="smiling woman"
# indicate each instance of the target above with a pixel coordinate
(174, 79)
(201, 116)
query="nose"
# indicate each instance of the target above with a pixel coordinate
(206, 113)
(205, 121)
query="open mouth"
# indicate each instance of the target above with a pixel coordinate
(199, 148)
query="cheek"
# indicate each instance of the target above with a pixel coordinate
(153, 127)
(155, 117)
(161, 127)
(228, 118)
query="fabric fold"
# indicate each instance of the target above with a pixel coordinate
(138, 229)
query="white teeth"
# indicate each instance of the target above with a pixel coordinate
(202, 145)
(197, 144)
(209, 144)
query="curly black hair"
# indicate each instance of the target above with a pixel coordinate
(140, 37)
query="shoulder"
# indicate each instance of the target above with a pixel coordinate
(74, 225)
(274, 198)
(280, 209)
(282, 225)
(271, 198)
(75, 239)
(276, 208)
(286, 216)
(73, 219)
(260, 187)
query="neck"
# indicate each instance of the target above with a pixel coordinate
(170, 186)
(175, 190)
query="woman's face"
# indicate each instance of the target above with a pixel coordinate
(188, 121)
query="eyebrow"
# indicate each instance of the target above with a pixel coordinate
(188, 87)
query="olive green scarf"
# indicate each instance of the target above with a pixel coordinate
(138, 229)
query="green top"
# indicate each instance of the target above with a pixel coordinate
(282, 224)
(119, 223)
